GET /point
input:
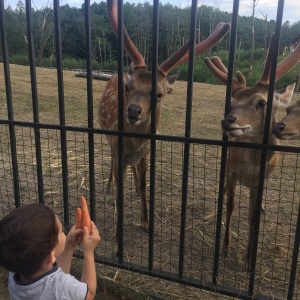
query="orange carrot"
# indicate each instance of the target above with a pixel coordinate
(86, 220)
(78, 218)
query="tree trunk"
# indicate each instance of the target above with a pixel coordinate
(96, 75)
(255, 2)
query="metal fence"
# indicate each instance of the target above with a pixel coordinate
(54, 163)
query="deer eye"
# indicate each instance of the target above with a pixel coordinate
(159, 95)
(261, 103)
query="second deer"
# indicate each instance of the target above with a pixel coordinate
(288, 128)
(245, 123)
(137, 105)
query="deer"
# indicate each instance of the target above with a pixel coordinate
(288, 128)
(170, 80)
(245, 123)
(137, 106)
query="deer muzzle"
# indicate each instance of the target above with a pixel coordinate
(134, 114)
(281, 131)
(227, 122)
(232, 128)
(278, 128)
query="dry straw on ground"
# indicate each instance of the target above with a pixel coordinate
(277, 229)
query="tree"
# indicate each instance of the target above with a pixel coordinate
(20, 19)
(44, 30)
(254, 4)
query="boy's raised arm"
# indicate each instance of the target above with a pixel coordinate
(89, 270)
(73, 238)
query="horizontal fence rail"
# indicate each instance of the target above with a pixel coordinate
(49, 158)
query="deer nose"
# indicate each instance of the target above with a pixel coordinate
(227, 121)
(134, 111)
(278, 127)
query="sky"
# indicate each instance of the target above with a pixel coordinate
(264, 7)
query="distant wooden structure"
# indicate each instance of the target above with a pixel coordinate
(99, 75)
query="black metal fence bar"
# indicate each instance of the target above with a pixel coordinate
(234, 19)
(10, 113)
(120, 195)
(35, 106)
(158, 137)
(153, 131)
(90, 108)
(295, 259)
(62, 121)
(188, 118)
(263, 160)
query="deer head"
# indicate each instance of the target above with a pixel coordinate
(138, 83)
(248, 105)
(288, 128)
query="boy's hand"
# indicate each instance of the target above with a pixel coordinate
(90, 242)
(74, 237)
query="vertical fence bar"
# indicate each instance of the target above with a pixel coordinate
(34, 96)
(263, 159)
(10, 112)
(153, 131)
(294, 259)
(120, 192)
(234, 21)
(187, 145)
(63, 136)
(89, 88)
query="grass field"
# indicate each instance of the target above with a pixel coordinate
(281, 194)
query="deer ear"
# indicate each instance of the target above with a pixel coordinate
(171, 79)
(286, 96)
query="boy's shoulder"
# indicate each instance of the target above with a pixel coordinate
(54, 284)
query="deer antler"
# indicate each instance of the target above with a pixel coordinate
(265, 77)
(136, 56)
(178, 57)
(282, 68)
(218, 69)
(182, 54)
(290, 62)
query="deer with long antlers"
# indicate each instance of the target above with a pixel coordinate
(245, 123)
(288, 128)
(137, 104)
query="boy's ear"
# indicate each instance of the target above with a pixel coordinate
(51, 258)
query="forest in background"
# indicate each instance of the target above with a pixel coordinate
(253, 35)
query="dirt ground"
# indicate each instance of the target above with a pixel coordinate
(281, 192)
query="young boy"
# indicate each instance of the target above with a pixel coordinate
(38, 255)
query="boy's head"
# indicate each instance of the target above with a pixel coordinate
(27, 236)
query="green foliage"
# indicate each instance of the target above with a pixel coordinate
(174, 31)
(21, 59)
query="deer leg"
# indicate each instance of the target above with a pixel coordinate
(251, 223)
(111, 177)
(109, 181)
(115, 171)
(136, 180)
(142, 170)
(230, 204)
